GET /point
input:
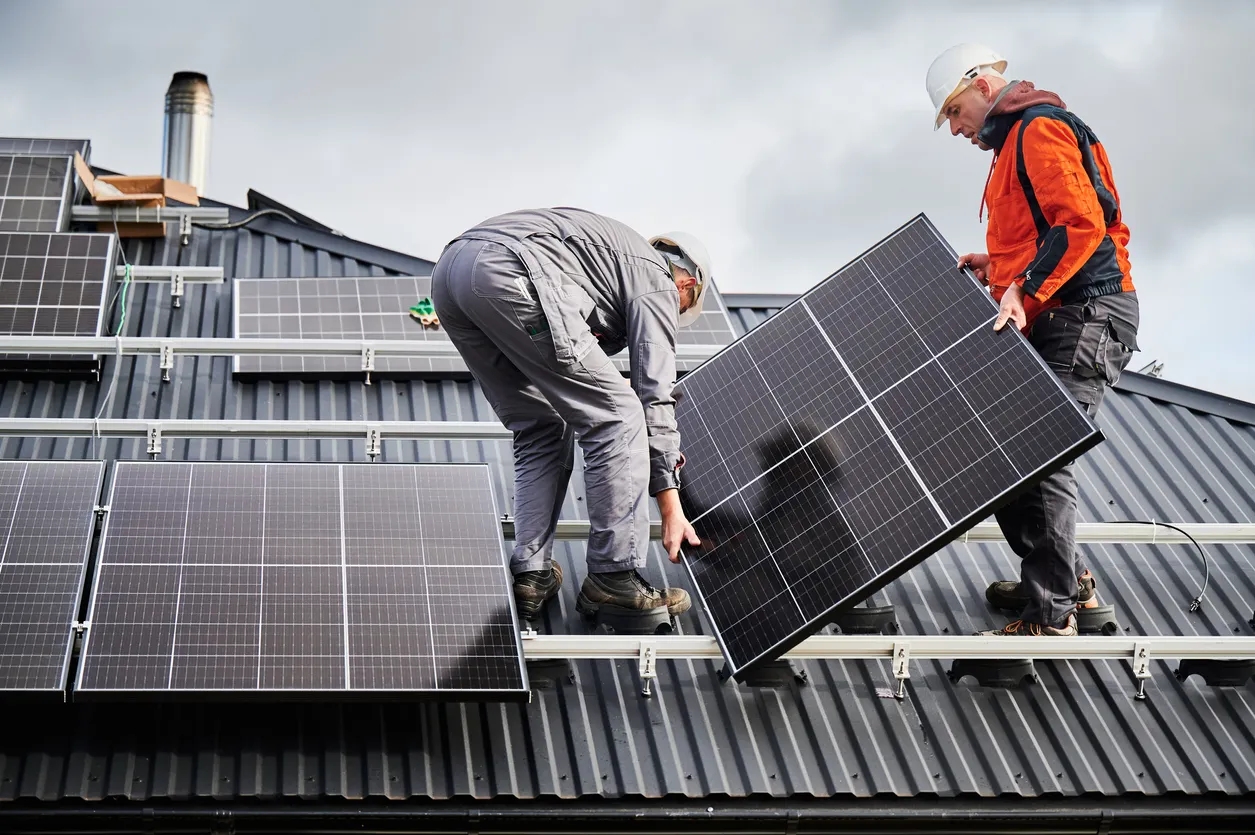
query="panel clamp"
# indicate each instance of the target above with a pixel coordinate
(185, 229)
(167, 361)
(1141, 669)
(176, 288)
(368, 361)
(100, 510)
(154, 439)
(648, 665)
(374, 441)
(81, 626)
(901, 666)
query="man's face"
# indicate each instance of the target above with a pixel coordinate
(966, 112)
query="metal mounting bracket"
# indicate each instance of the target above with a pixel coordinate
(1141, 669)
(82, 625)
(100, 510)
(901, 666)
(648, 661)
(176, 288)
(167, 362)
(368, 362)
(154, 439)
(374, 441)
(185, 229)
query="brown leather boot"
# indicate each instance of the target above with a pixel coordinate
(533, 589)
(628, 590)
(1006, 594)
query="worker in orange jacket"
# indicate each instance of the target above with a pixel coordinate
(1058, 264)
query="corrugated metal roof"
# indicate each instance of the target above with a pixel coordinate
(1077, 733)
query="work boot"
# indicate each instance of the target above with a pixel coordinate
(1019, 628)
(628, 590)
(1007, 594)
(533, 589)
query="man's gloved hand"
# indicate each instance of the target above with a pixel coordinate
(676, 529)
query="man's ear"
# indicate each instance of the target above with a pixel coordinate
(982, 83)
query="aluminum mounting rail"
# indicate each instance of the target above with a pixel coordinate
(900, 650)
(873, 647)
(155, 214)
(219, 346)
(177, 276)
(1109, 532)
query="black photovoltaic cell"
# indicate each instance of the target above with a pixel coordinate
(855, 433)
(248, 578)
(53, 284)
(377, 307)
(47, 513)
(35, 193)
(43, 147)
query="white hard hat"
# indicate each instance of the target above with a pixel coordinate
(695, 260)
(953, 71)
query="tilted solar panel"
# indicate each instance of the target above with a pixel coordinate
(855, 433)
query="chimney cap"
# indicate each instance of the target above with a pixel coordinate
(190, 75)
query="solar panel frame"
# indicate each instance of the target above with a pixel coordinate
(732, 518)
(287, 563)
(29, 264)
(36, 192)
(45, 147)
(283, 302)
(70, 576)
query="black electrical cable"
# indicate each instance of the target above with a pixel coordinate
(247, 220)
(1197, 602)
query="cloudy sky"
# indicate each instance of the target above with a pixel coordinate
(788, 135)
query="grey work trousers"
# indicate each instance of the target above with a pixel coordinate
(487, 305)
(1087, 345)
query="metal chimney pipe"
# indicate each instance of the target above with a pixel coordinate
(189, 114)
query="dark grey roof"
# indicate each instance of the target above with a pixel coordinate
(1075, 741)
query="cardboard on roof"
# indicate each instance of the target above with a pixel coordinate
(144, 192)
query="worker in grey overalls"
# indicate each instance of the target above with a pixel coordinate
(535, 302)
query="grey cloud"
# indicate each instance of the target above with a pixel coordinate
(790, 135)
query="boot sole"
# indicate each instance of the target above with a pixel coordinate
(589, 609)
(624, 620)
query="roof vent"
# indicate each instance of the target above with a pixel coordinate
(189, 114)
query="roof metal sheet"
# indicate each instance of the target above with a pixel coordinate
(1078, 732)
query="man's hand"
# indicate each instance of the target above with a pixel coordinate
(1012, 308)
(676, 529)
(978, 263)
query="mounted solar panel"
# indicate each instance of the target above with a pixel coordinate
(279, 579)
(35, 193)
(854, 434)
(47, 516)
(53, 285)
(377, 307)
(42, 147)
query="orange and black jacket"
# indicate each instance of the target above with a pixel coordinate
(1054, 214)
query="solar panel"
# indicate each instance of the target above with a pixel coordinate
(236, 578)
(377, 307)
(35, 193)
(53, 285)
(47, 515)
(855, 433)
(39, 147)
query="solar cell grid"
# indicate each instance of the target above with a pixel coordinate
(35, 193)
(46, 520)
(246, 578)
(377, 307)
(850, 436)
